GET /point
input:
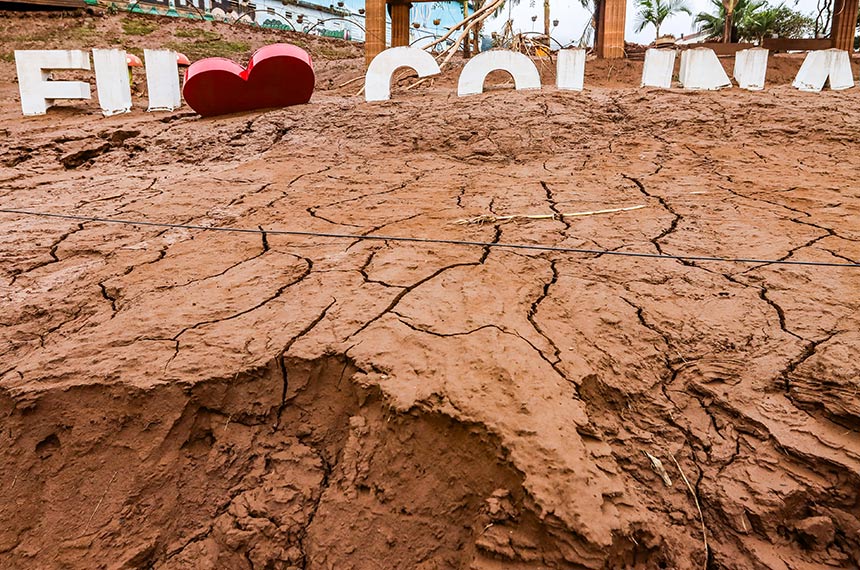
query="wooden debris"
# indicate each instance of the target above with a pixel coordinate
(657, 465)
(493, 219)
(698, 508)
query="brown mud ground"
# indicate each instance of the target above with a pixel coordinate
(177, 398)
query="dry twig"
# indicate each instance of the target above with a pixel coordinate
(353, 80)
(107, 487)
(492, 219)
(698, 508)
(658, 467)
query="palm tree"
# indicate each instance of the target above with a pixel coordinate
(655, 11)
(715, 24)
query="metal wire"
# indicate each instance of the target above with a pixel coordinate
(377, 237)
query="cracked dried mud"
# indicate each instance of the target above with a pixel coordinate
(177, 398)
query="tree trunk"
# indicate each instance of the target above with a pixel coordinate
(727, 28)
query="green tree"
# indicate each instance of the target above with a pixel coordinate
(754, 20)
(780, 21)
(714, 23)
(654, 12)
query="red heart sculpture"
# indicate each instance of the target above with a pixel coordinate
(278, 75)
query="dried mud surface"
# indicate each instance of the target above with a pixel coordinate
(176, 398)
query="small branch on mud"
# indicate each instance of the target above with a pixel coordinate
(107, 487)
(351, 81)
(698, 508)
(659, 469)
(491, 219)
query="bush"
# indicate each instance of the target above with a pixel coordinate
(137, 27)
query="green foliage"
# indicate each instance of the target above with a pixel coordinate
(211, 47)
(198, 43)
(780, 20)
(654, 12)
(202, 34)
(137, 27)
(754, 20)
(83, 32)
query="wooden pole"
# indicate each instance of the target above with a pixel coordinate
(610, 29)
(400, 23)
(843, 24)
(374, 40)
(466, 43)
(546, 20)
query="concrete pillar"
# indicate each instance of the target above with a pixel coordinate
(374, 19)
(843, 25)
(610, 29)
(400, 23)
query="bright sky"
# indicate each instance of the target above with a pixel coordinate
(573, 19)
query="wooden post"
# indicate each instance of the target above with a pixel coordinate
(546, 20)
(466, 41)
(843, 25)
(400, 23)
(610, 29)
(374, 37)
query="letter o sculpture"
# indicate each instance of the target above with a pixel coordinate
(520, 67)
(377, 81)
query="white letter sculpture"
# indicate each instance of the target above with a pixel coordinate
(377, 81)
(819, 66)
(520, 67)
(112, 81)
(570, 71)
(658, 68)
(37, 92)
(751, 68)
(701, 69)
(162, 80)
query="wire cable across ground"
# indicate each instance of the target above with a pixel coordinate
(442, 241)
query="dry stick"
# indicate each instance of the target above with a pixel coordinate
(467, 23)
(657, 465)
(462, 23)
(416, 84)
(353, 80)
(698, 508)
(453, 49)
(100, 502)
(476, 18)
(491, 219)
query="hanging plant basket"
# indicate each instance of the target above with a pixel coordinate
(437, 21)
(416, 25)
